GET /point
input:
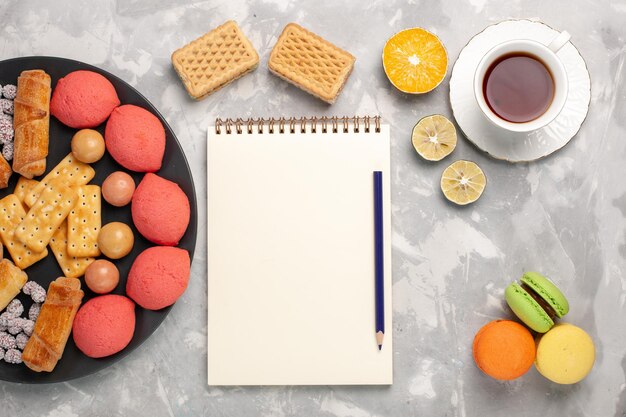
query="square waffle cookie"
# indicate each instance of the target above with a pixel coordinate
(311, 63)
(214, 60)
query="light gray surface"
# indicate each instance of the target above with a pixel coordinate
(565, 215)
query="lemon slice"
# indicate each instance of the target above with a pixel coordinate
(415, 61)
(463, 182)
(434, 137)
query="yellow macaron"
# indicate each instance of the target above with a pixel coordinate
(565, 354)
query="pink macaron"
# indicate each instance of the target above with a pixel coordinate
(135, 138)
(158, 277)
(83, 99)
(160, 210)
(104, 325)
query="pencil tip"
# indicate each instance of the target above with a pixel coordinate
(379, 339)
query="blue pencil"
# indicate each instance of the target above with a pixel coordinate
(379, 260)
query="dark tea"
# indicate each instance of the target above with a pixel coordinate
(518, 87)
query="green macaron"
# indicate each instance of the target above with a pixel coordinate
(536, 301)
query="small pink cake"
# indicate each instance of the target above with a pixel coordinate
(135, 138)
(83, 99)
(104, 325)
(158, 277)
(160, 210)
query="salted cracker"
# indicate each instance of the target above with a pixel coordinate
(72, 266)
(12, 213)
(46, 215)
(84, 222)
(23, 187)
(69, 171)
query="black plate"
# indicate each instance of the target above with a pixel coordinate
(74, 364)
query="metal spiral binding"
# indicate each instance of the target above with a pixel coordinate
(291, 124)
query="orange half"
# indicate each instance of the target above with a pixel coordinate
(415, 61)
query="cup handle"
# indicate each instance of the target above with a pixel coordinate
(559, 41)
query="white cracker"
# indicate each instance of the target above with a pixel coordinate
(84, 222)
(69, 171)
(23, 187)
(72, 266)
(12, 213)
(46, 215)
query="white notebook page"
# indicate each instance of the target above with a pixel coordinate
(291, 258)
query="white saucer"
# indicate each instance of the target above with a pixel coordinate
(510, 146)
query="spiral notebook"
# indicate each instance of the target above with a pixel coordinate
(291, 252)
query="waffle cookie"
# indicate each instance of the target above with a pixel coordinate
(214, 60)
(311, 63)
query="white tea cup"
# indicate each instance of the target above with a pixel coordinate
(544, 53)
